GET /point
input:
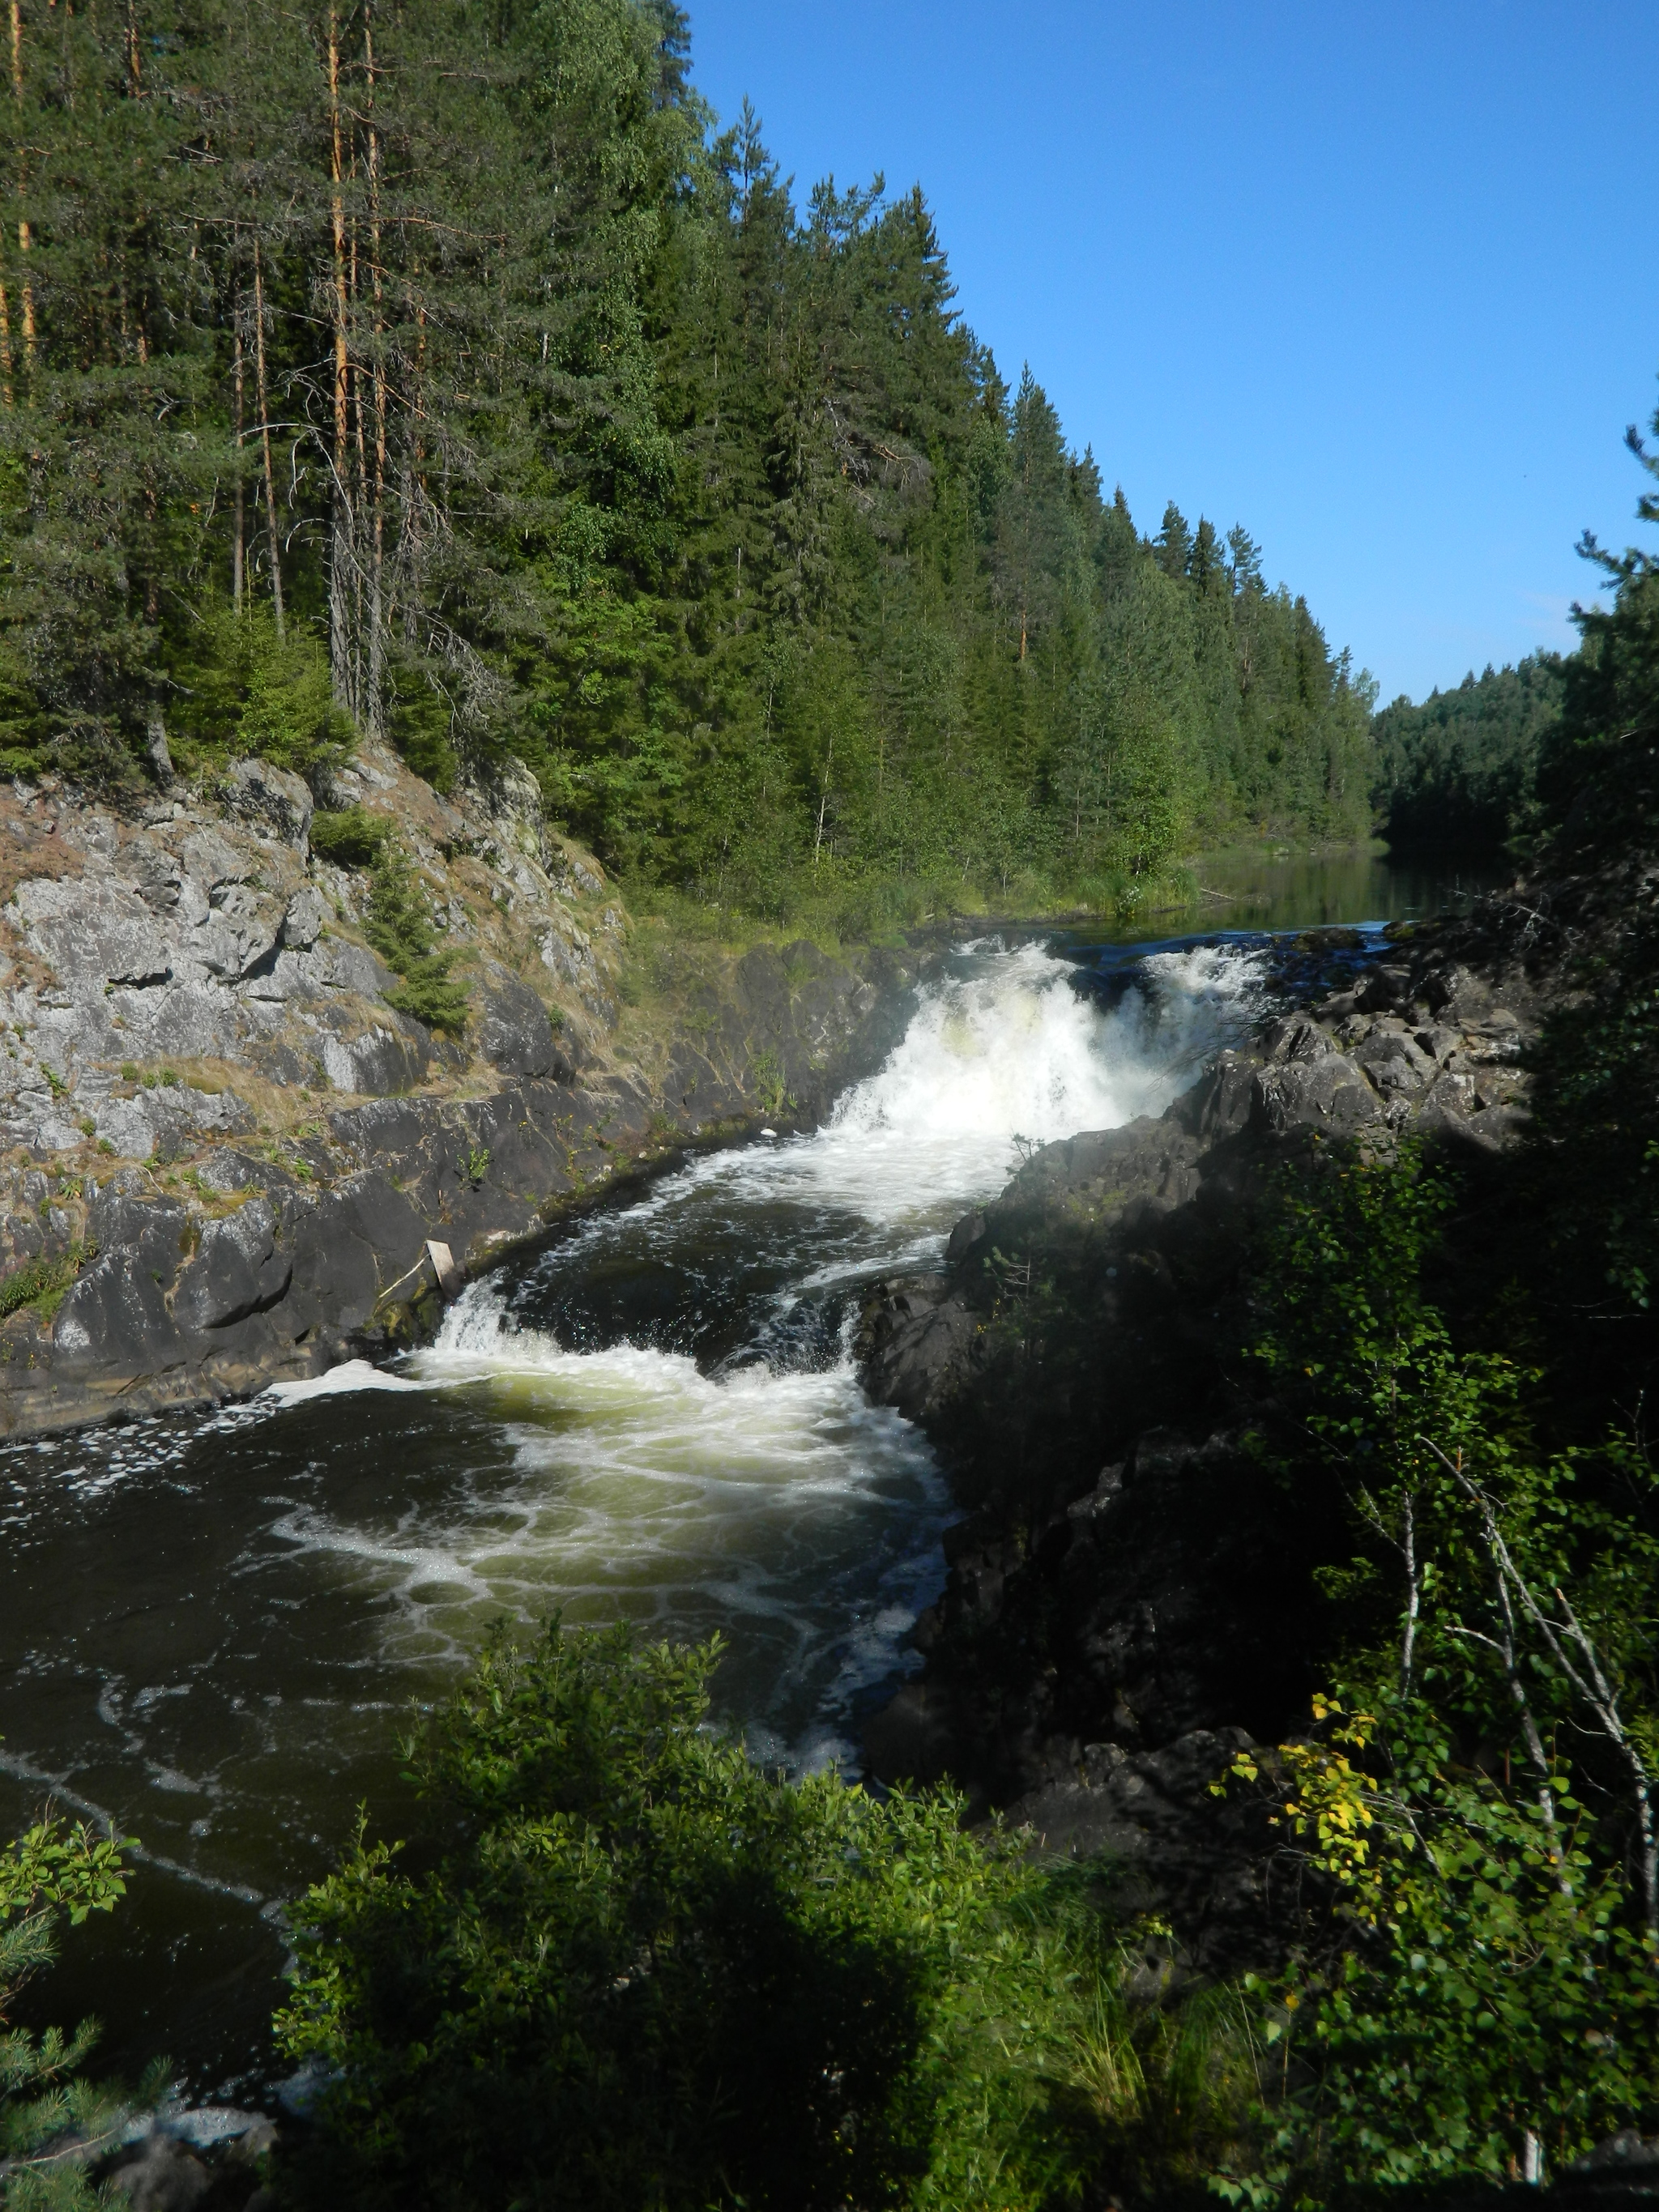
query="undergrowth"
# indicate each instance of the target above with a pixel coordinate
(400, 927)
(42, 1283)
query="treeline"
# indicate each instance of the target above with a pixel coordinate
(1460, 769)
(445, 373)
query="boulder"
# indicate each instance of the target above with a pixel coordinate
(270, 799)
(1396, 1064)
(375, 1066)
(303, 922)
(1329, 1093)
(917, 1339)
(165, 2177)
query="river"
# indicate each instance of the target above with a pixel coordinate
(212, 1627)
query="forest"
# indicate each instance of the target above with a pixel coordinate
(452, 375)
(1461, 768)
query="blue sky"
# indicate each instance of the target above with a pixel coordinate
(1379, 282)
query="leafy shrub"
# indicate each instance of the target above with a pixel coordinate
(400, 930)
(622, 1968)
(53, 2122)
(1492, 1987)
(1476, 1790)
(252, 691)
(42, 1283)
(350, 837)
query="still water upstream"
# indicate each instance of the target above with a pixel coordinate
(212, 1627)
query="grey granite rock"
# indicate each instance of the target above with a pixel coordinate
(270, 798)
(377, 1064)
(114, 1318)
(237, 1270)
(514, 1032)
(94, 932)
(303, 922)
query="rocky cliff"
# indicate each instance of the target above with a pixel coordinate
(228, 1155)
(1124, 1600)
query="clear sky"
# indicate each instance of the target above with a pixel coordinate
(1380, 282)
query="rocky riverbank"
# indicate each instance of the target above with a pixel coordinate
(1123, 1598)
(228, 1159)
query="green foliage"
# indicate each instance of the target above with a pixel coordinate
(53, 2121)
(1460, 770)
(623, 1966)
(707, 505)
(400, 927)
(1478, 1793)
(1160, 2091)
(253, 690)
(41, 1283)
(351, 837)
(771, 1087)
(1490, 1987)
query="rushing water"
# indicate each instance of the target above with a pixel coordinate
(214, 1624)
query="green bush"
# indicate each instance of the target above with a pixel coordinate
(53, 2123)
(251, 691)
(1472, 1796)
(351, 837)
(42, 1283)
(400, 930)
(621, 1968)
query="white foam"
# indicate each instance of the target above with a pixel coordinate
(1011, 1051)
(350, 1374)
(772, 1498)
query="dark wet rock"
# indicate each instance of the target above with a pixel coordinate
(165, 2177)
(515, 1033)
(155, 1229)
(115, 1318)
(916, 1340)
(345, 1245)
(236, 1272)
(1175, 1844)
(916, 1736)
(968, 1232)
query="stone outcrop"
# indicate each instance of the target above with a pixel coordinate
(222, 1150)
(1114, 1619)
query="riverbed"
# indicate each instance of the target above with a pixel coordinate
(215, 1624)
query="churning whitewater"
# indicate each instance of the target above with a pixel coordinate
(213, 1620)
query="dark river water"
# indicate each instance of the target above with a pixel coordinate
(213, 1626)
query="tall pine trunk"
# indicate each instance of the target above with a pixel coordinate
(341, 557)
(24, 238)
(375, 705)
(239, 524)
(264, 439)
